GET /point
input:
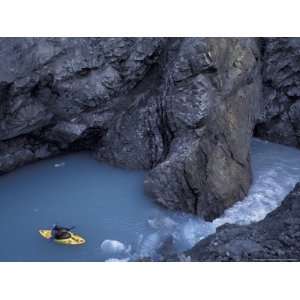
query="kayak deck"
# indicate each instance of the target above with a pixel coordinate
(75, 239)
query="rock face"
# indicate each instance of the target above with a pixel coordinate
(182, 108)
(277, 237)
(280, 122)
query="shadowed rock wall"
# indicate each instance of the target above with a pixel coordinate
(280, 122)
(182, 108)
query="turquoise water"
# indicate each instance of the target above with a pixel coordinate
(108, 207)
(104, 203)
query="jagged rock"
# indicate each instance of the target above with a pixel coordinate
(281, 80)
(183, 108)
(277, 237)
(206, 168)
(67, 132)
(24, 149)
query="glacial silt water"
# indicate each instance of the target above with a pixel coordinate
(108, 207)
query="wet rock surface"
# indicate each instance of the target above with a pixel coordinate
(182, 108)
(277, 237)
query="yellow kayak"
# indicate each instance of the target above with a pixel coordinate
(75, 239)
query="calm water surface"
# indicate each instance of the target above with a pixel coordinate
(109, 209)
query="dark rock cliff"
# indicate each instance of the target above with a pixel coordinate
(277, 237)
(182, 108)
(280, 122)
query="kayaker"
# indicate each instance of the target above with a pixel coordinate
(60, 233)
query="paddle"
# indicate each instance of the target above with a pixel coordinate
(72, 227)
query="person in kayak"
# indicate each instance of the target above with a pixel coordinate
(60, 233)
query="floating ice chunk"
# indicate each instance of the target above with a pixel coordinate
(59, 165)
(118, 259)
(114, 247)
